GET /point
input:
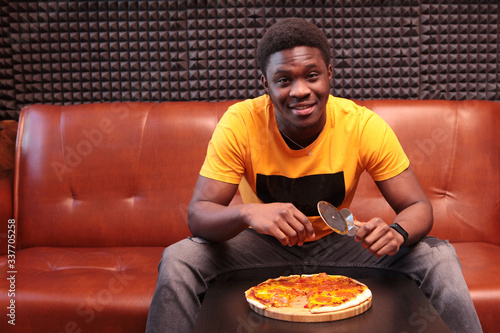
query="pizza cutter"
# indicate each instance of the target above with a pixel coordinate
(341, 222)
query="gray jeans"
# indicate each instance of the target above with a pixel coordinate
(187, 267)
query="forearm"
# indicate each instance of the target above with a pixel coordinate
(412, 206)
(215, 222)
(417, 220)
(279, 219)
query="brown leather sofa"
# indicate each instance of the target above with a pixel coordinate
(99, 190)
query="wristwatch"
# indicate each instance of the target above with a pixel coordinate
(400, 229)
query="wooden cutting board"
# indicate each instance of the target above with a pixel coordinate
(297, 313)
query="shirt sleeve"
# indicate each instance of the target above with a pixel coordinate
(226, 150)
(381, 153)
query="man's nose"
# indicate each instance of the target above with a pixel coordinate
(299, 89)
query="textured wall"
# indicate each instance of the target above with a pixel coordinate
(66, 52)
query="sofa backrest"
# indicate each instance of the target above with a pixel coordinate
(454, 150)
(118, 174)
(122, 174)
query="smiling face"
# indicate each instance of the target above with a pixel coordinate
(298, 83)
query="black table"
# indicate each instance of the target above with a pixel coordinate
(397, 306)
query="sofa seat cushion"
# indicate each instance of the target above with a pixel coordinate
(481, 269)
(87, 289)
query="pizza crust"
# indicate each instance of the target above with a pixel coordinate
(255, 303)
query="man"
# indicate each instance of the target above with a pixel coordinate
(292, 147)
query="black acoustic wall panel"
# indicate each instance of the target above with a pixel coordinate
(64, 52)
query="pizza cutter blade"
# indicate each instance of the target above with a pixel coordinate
(341, 222)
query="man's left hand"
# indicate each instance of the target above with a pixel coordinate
(378, 237)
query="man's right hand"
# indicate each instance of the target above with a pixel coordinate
(281, 220)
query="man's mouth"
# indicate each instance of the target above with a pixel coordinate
(302, 109)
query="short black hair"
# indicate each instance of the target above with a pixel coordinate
(289, 33)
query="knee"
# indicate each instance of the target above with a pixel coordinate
(176, 252)
(442, 257)
(440, 249)
(181, 256)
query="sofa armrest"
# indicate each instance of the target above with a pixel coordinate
(6, 207)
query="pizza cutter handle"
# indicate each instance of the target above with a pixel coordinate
(349, 218)
(352, 230)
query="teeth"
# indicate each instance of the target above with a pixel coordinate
(301, 107)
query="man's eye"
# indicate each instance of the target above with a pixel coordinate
(313, 75)
(282, 80)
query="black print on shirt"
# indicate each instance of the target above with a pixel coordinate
(303, 192)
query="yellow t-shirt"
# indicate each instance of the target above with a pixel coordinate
(247, 144)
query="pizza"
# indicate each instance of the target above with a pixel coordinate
(324, 293)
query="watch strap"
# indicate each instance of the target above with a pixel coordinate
(400, 230)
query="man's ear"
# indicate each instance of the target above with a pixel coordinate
(264, 83)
